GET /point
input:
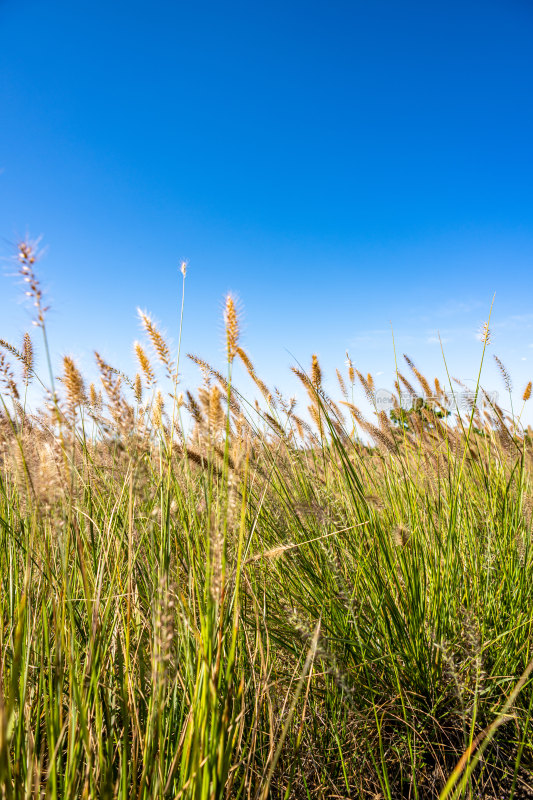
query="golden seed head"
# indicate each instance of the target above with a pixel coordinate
(231, 321)
(527, 393)
(95, 398)
(158, 409)
(158, 343)
(138, 388)
(316, 372)
(216, 415)
(74, 385)
(252, 373)
(144, 363)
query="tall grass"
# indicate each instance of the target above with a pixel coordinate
(208, 595)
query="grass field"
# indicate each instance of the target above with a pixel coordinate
(204, 595)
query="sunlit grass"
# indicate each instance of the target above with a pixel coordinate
(208, 595)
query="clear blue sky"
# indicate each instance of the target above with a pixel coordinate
(341, 166)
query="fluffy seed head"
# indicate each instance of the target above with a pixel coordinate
(27, 358)
(158, 343)
(138, 388)
(231, 322)
(265, 391)
(74, 385)
(27, 255)
(484, 334)
(95, 398)
(158, 409)
(351, 371)
(342, 385)
(316, 372)
(144, 363)
(505, 374)
(527, 393)
(421, 379)
(7, 377)
(216, 414)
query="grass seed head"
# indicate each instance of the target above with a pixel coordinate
(7, 377)
(316, 372)
(158, 342)
(505, 374)
(74, 384)
(28, 358)
(484, 334)
(27, 256)
(231, 321)
(351, 371)
(95, 398)
(144, 363)
(138, 388)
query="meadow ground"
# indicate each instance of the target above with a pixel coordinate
(205, 595)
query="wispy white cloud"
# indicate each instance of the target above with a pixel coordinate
(452, 308)
(437, 340)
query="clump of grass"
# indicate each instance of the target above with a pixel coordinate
(229, 600)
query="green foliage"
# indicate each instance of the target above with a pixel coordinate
(425, 413)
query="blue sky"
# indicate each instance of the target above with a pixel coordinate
(343, 167)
